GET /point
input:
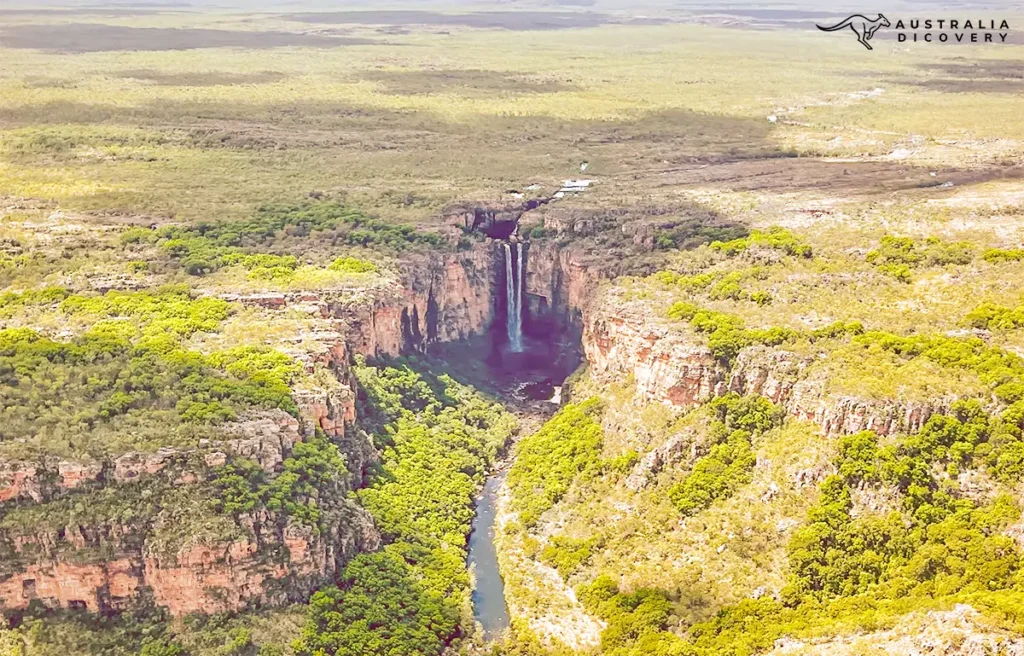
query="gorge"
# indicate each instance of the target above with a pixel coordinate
(572, 328)
(475, 300)
(525, 309)
(399, 380)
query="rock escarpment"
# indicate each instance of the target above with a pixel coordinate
(271, 563)
(438, 299)
(174, 543)
(676, 369)
(559, 284)
(167, 542)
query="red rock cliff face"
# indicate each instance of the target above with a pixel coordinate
(441, 297)
(560, 282)
(445, 298)
(671, 368)
(270, 560)
(106, 566)
(281, 565)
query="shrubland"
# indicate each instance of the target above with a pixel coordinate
(727, 464)
(438, 439)
(896, 256)
(848, 569)
(129, 378)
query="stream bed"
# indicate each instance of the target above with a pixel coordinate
(489, 606)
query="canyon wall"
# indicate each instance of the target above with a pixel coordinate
(438, 298)
(104, 562)
(445, 298)
(559, 284)
(108, 566)
(670, 367)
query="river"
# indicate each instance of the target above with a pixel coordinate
(489, 606)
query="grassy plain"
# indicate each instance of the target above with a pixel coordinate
(419, 118)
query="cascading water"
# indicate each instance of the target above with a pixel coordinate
(519, 296)
(514, 296)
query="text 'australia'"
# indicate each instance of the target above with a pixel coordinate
(952, 30)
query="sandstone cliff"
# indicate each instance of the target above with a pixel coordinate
(215, 565)
(439, 298)
(674, 367)
(105, 559)
(559, 283)
(273, 564)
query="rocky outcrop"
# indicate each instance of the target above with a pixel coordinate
(675, 448)
(107, 566)
(443, 298)
(961, 631)
(39, 481)
(666, 367)
(264, 436)
(275, 564)
(673, 367)
(440, 297)
(559, 284)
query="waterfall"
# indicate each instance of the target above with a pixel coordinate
(519, 298)
(514, 296)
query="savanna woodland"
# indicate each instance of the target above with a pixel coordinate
(536, 328)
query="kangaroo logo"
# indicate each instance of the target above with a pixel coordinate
(862, 26)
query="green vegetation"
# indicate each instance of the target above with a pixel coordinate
(147, 631)
(567, 447)
(690, 234)
(205, 247)
(381, 607)
(101, 378)
(994, 366)
(996, 255)
(728, 462)
(567, 554)
(314, 470)
(773, 238)
(997, 317)
(171, 309)
(1000, 370)
(727, 335)
(939, 548)
(168, 311)
(128, 379)
(896, 256)
(11, 302)
(635, 620)
(352, 265)
(246, 180)
(410, 598)
(152, 510)
(718, 285)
